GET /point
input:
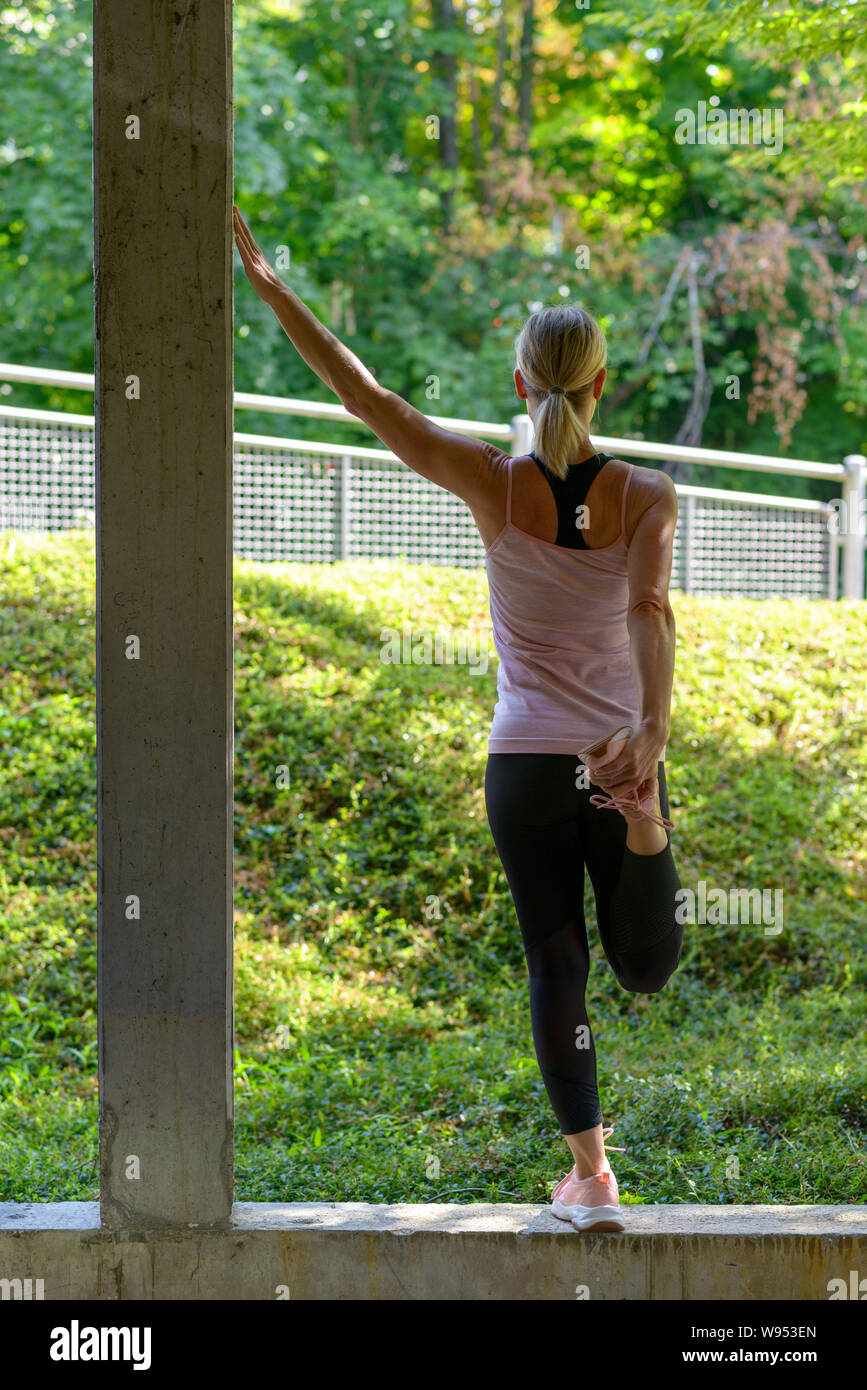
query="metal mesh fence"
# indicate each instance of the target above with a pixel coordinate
(46, 475)
(303, 504)
(753, 550)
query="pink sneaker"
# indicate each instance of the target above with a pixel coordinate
(592, 1204)
(634, 805)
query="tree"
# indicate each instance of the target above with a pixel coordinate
(821, 44)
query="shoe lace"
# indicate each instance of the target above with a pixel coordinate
(629, 802)
(606, 1134)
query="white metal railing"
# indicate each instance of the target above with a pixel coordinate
(245, 400)
(727, 541)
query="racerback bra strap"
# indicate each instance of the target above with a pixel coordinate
(569, 494)
(622, 535)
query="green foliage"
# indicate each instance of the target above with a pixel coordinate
(382, 1022)
(815, 43)
(333, 160)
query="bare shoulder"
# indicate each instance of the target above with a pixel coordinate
(650, 487)
(484, 488)
(492, 475)
(494, 460)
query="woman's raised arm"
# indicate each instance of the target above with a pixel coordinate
(456, 462)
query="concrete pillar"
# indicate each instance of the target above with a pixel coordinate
(163, 272)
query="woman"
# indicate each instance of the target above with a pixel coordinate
(579, 549)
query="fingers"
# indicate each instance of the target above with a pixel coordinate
(624, 781)
(242, 231)
(617, 776)
(611, 773)
(251, 255)
(242, 238)
(620, 788)
(628, 770)
(247, 253)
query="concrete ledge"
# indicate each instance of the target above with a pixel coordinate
(355, 1250)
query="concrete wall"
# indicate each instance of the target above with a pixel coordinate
(358, 1251)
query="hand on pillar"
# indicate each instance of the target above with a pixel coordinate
(264, 279)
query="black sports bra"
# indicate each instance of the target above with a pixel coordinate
(569, 494)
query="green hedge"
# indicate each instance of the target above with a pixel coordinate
(383, 1046)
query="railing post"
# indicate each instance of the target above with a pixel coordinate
(855, 503)
(833, 563)
(689, 546)
(522, 435)
(342, 478)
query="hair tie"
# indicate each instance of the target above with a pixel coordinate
(556, 391)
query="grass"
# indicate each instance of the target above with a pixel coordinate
(383, 1045)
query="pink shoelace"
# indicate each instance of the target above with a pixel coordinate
(629, 802)
(606, 1134)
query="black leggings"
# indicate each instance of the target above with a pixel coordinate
(545, 831)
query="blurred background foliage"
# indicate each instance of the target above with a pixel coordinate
(437, 170)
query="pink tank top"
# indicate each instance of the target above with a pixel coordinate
(559, 627)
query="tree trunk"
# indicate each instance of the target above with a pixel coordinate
(525, 80)
(352, 94)
(497, 99)
(478, 149)
(444, 65)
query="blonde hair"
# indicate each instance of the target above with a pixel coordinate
(561, 348)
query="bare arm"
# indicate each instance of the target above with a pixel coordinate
(652, 636)
(456, 462)
(652, 629)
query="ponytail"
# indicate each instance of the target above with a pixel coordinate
(560, 352)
